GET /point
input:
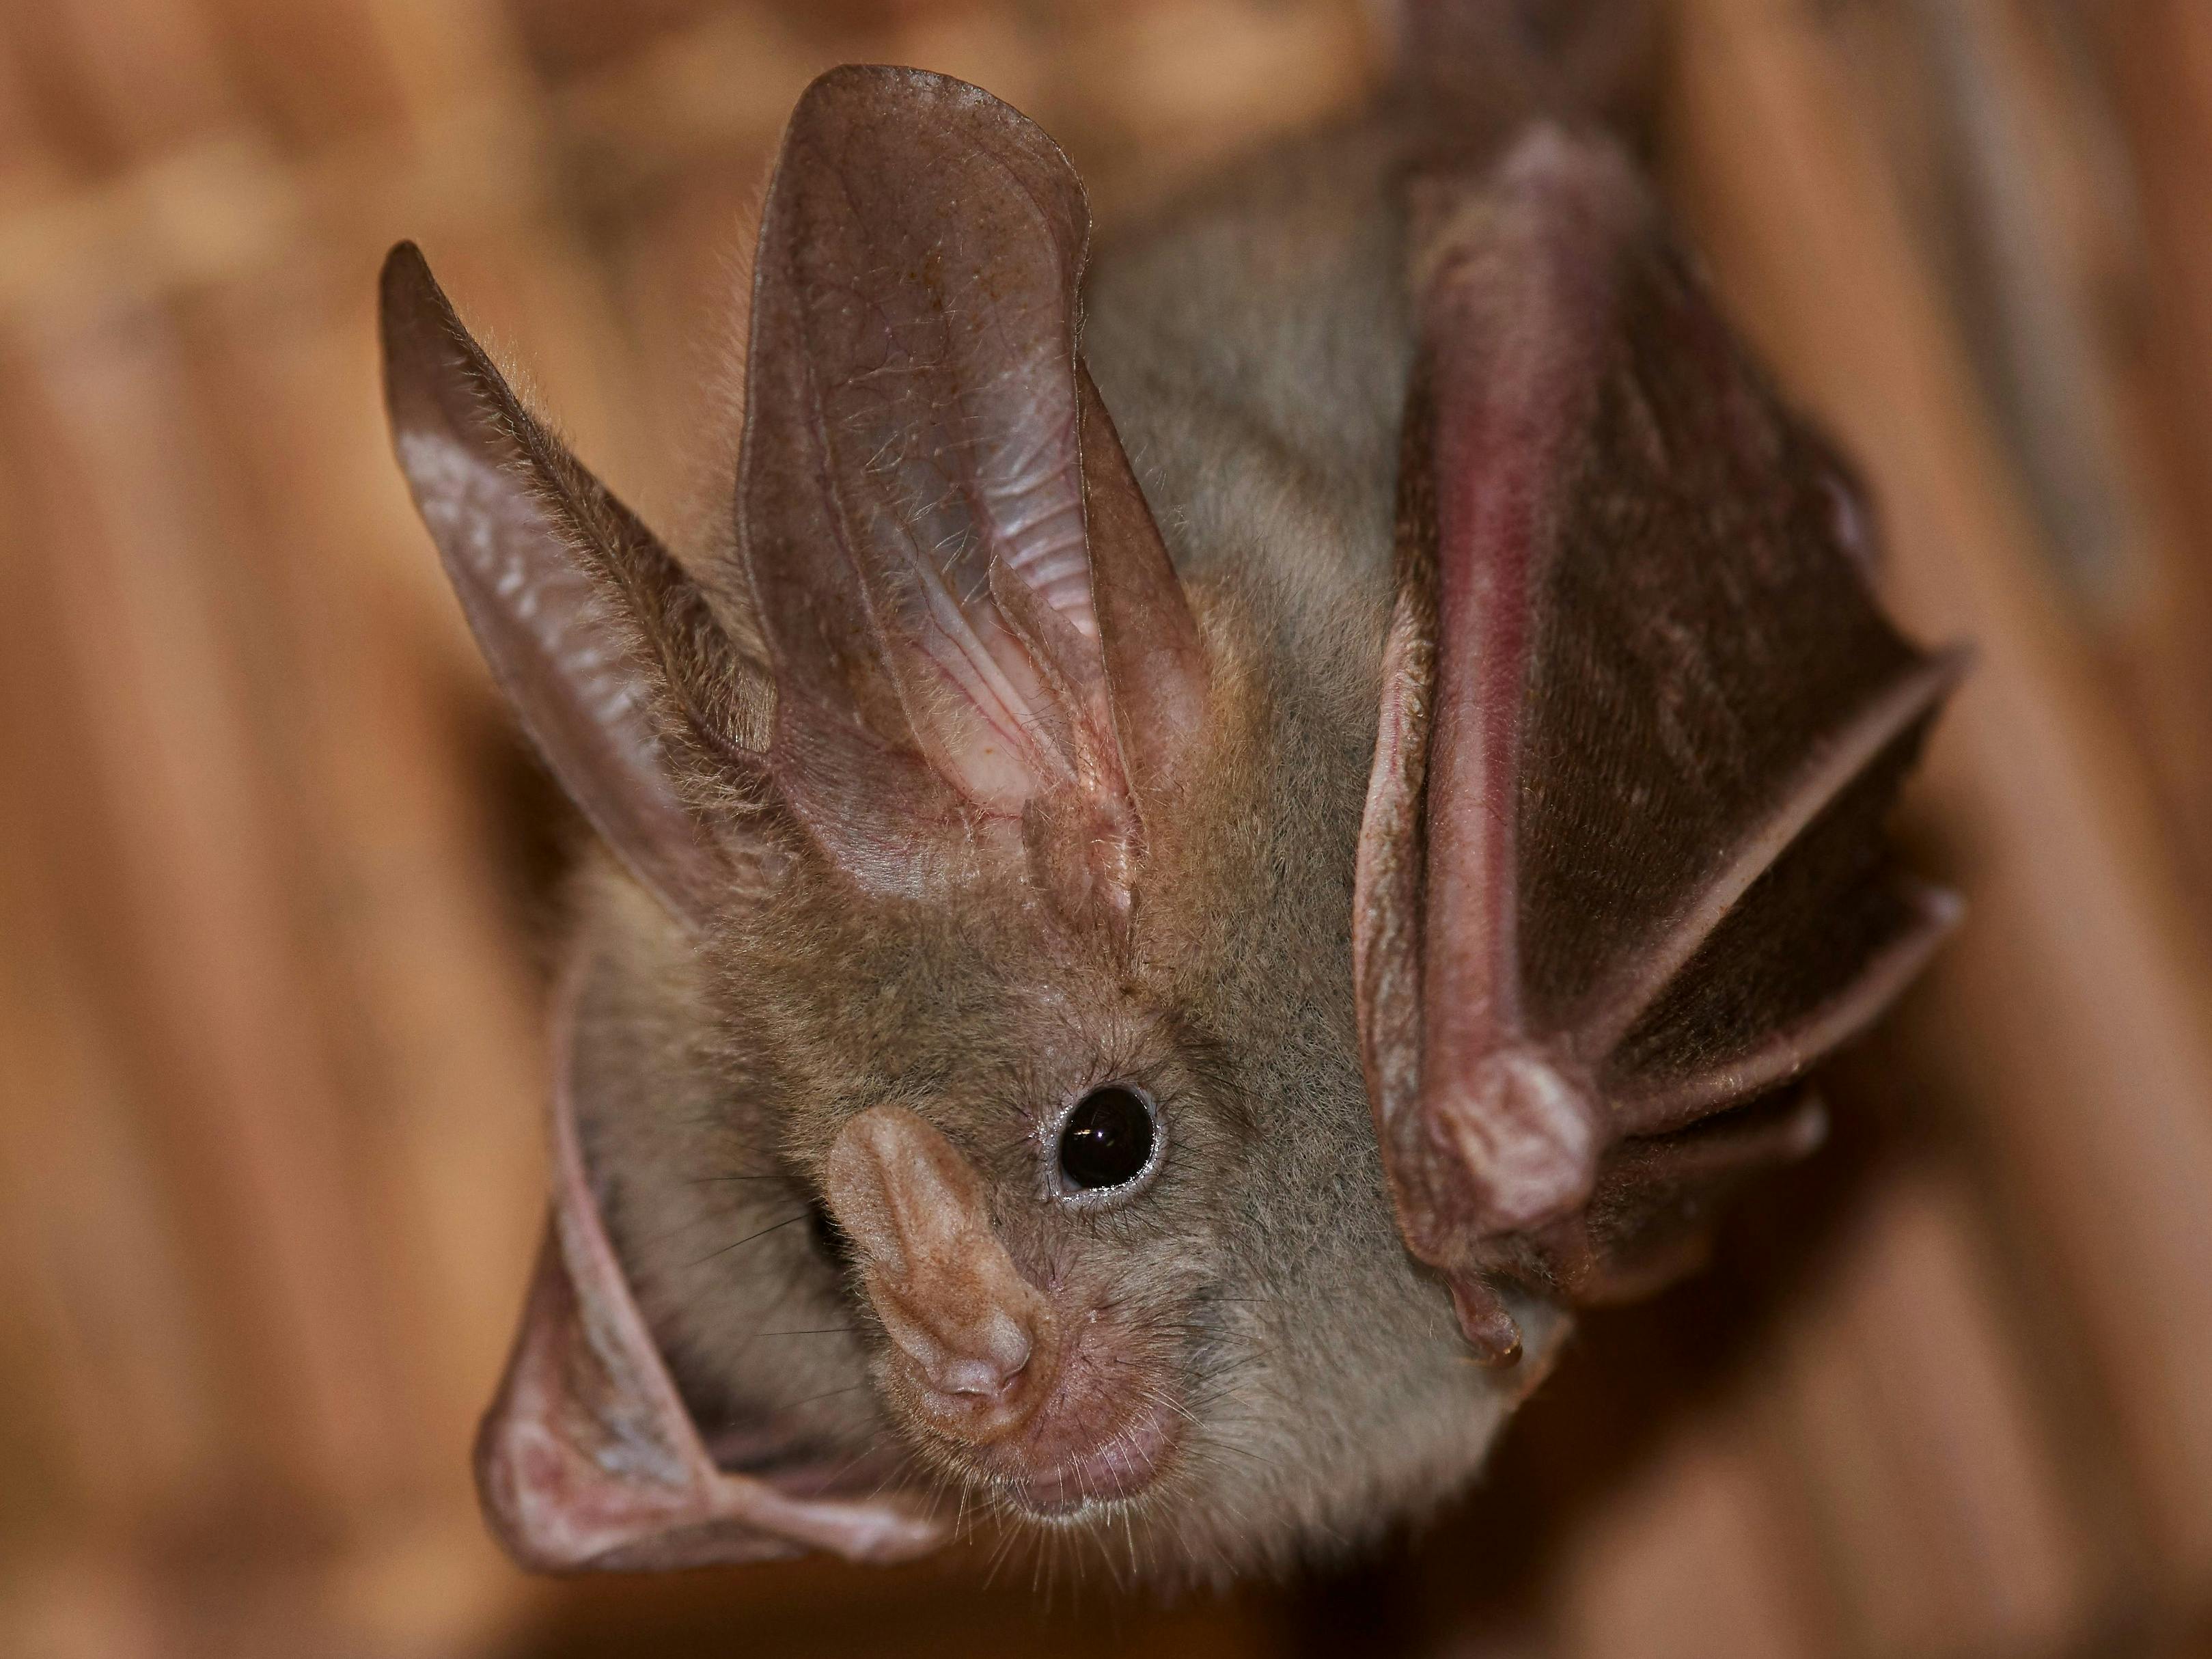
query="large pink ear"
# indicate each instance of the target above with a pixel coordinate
(974, 625)
(1622, 877)
(603, 644)
(587, 1458)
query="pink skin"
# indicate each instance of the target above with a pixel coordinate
(1099, 1432)
(1048, 1396)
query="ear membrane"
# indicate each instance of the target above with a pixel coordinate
(973, 622)
(598, 639)
(587, 1458)
(1623, 875)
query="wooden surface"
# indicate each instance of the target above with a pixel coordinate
(276, 878)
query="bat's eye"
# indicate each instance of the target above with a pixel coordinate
(1107, 1140)
(829, 1238)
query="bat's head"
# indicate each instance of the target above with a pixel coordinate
(1003, 857)
(1102, 1176)
(1014, 873)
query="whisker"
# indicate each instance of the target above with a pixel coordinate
(748, 1238)
(793, 1405)
(853, 1463)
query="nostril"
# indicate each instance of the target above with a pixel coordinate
(984, 1360)
(976, 1379)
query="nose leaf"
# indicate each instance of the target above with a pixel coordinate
(971, 1337)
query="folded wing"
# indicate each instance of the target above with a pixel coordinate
(1623, 870)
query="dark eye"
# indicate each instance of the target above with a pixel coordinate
(829, 1238)
(1107, 1140)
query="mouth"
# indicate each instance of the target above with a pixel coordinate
(1123, 1464)
(1105, 1431)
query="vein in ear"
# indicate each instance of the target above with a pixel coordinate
(952, 558)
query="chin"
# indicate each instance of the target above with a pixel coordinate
(1063, 1484)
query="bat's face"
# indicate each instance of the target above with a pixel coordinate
(1108, 1201)
(1211, 1087)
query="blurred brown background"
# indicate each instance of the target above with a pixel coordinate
(277, 879)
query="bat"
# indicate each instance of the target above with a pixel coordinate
(1225, 835)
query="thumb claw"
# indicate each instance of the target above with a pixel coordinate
(1489, 1329)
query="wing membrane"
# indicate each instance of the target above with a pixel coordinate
(1624, 867)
